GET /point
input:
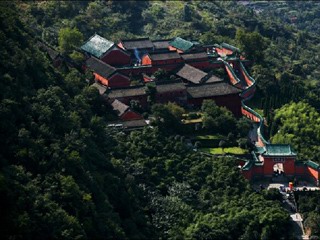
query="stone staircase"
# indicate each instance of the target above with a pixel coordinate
(297, 221)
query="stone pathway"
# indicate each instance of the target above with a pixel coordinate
(298, 226)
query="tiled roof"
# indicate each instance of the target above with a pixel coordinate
(191, 74)
(211, 90)
(164, 56)
(196, 55)
(213, 79)
(160, 44)
(97, 45)
(102, 89)
(278, 150)
(313, 165)
(139, 43)
(181, 44)
(119, 107)
(127, 92)
(100, 67)
(135, 123)
(168, 87)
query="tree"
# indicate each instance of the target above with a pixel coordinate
(186, 13)
(165, 119)
(176, 110)
(298, 124)
(222, 144)
(69, 39)
(243, 126)
(161, 75)
(252, 43)
(217, 119)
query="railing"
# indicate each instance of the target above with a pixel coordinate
(246, 95)
(227, 65)
(244, 106)
(261, 121)
(243, 94)
(253, 82)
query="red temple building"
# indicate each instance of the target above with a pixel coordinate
(222, 93)
(116, 68)
(158, 59)
(141, 44)
(106, 74)
(191, 74)
(171, 92)
(126, 95)
(187, 60)
(124, 112)
(181, 45)
(275, 159)
(106, 51)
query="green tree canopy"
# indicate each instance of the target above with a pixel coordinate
(252, 44)
(298, 124)
(217, 119)
(69, 39)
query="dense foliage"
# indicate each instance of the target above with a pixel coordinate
(285, 52)
(63, 175)
(308, 204)
(298, 124)
(57, 180)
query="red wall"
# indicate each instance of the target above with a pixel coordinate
(300, 170)
(288, 165)
(130, 115)
(223, 51)
(233, 80)
(313, 173)
(101, 79)
(258, 170)
(137, 70)
(249, 115)
(172, 96)
(216, 65)
(249, 93)
(119, 80)
(164, 62)
(203, 64)
(247, 174)
(175, 49)
(116, 58)
(146, 60)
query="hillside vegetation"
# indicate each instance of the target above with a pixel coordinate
(64, 175)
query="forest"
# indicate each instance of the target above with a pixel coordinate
(64, 175)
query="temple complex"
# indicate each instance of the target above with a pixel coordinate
(123, 73)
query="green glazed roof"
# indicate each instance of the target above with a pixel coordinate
(248, 165)
(97, 45)
(228, 46)
(313, 165)
(260, 150)
(278, 150)
(181, 44)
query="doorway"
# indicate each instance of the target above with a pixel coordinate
(278, 169)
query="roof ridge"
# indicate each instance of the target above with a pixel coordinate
(135, 39)
(104, 63)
